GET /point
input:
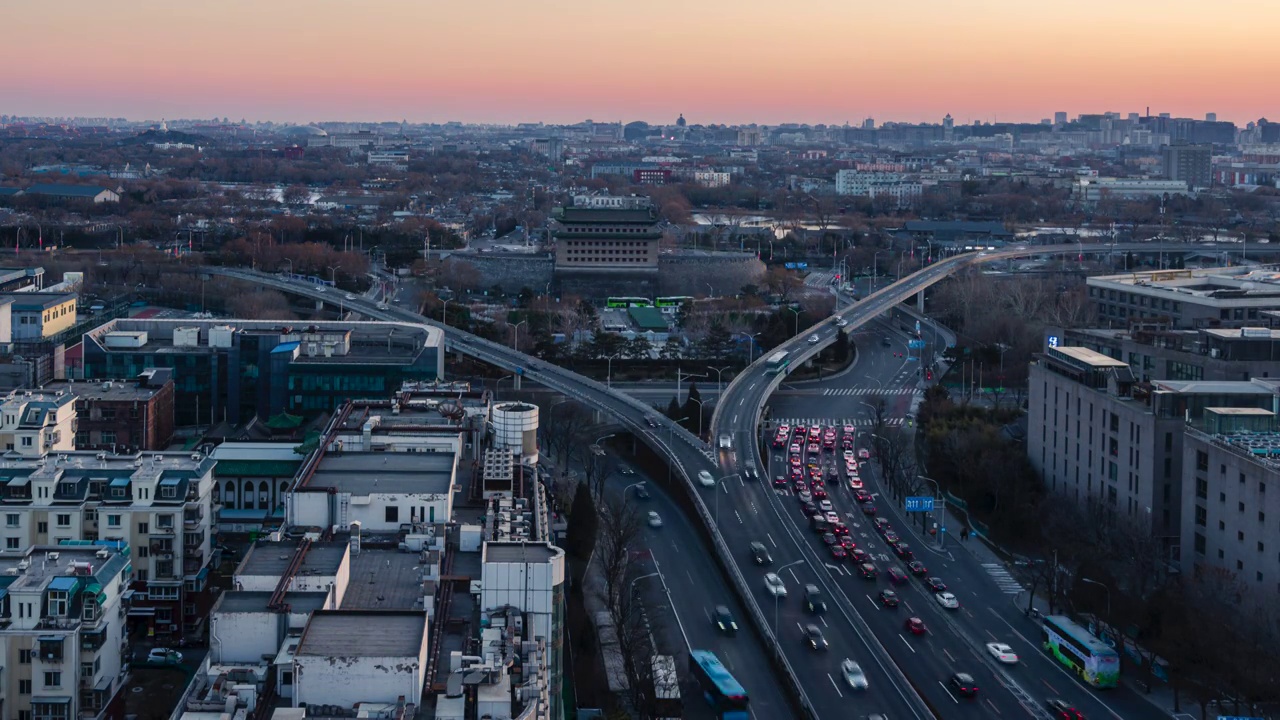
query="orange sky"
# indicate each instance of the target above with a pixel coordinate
(814, 61)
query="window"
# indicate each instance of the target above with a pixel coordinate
(11, 543)
(108, 437)
(24, 657)
(113, 521)
(143, 529)
(1202, 516)
(1202, 460)
(12, 520)
(24, 687)
(42, 527)
(53, 679)
(57, 603)
(393, 514)
(63, 520)
(1261, 547)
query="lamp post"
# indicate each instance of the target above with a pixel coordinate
(681, 376)
(700, 413)
(631, 588)
(717, 489)
(719, 377)
(1104, 587)
(875, 269)
(596, 445)
(444, 312)
(797, 314)
(504, 377)
(515, 340)
(712, 291)
(608, 379)
(333, 275)
(751, 346)
(775, 602)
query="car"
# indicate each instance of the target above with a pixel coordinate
(881, 524)
(862, 496)
(832, 517)
(800, 486)
(825, 506)
(800, 429)
(1062, 710)
(859, 556)
(164, 656)
(813, 635)
(917, 568)
(935, 584)
(642, 491)
(779, 481)
(813, 601)
(726, 441)
(848, 430)
(655, 520)
(651, 421)
(829, 539)
(774, 585)
(797, 474)
(705, 479)
(841, 322)
(819, 491)
(868, 509)
(805, 496)
(750, 475)
(885, 341)
(864, 454)
(948, 600)
(838, 552)
(813, 340)
(760, 554)
(724, 620)
(903, 551)
(963, 684)
(890, 537)
(896, 575)
(847, 542)
(812, 448)
(784, 428)
(626, 470)
(794, 449)
(916, 626)
(889, 598)
(840, 529)
(853, 674)
(1002, 653)
(868, 571)
(810, 508)
(848, 455)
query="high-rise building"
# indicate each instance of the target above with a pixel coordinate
(1211, 117)
(1192, 164)
(1060, 118)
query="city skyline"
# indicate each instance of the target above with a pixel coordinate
(562, 61)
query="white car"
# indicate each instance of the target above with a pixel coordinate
(841, 322)
(813, 340)
(853, 674)
(833, 517)
(774, 585)
(351, 296)
(726, 442)
(1002, 653)
(805, 496)
(655, 520)
(848, 455)
(825, 506)
(947, 600)
(705, 479)
(164, 656)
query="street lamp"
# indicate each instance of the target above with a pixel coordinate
(444, 312)
(333, 274)
(700, 413)
(608, 379)
(631, 588)
(775, 601)
(718, 376)
(797, 314)
(712, 291)
(1104, 587)
(601, 439)
(751, 345)
(515, 340)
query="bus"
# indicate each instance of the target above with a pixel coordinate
(722, 692)
(628, 302)
(1093, 660)
(666, 689)
(778, 362)
(671, 304)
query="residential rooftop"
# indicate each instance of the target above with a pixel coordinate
(271, 559)
(384, 579)
(45, 563)
(519, 552)
(365, 473)
(343, 633)
(251, 601)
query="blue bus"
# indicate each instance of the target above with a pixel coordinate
(725, 695)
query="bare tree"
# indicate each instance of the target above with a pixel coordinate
(620, 528)
(599, 466)
(563, 432)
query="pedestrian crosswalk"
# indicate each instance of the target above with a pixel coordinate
(832, 422)
(846, 392)
(1003, 579)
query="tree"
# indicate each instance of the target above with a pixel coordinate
(580, 536)
(673, 409)
(261, 305)
(563, 430)
(620, 529)
(599, 466)
(692, 405)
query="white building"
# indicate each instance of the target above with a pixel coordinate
(860, 184)
(345, 658)
(905, 193)
(34, 423)
(711, 178)
(62, 636)
(1092, 190)
(158, 503)
(381, 490)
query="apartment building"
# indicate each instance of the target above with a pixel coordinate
(40, 315)
(1096, 433)
(158, 503)
(1233, 523)
(1214, 297)
(34, 423)
(62, 630)
(123, 415)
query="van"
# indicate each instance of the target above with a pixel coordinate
(726, 442)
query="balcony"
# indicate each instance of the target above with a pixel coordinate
(192, 551)
(162, 530)
(192, 521)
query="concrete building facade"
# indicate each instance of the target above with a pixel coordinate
(1216, 297)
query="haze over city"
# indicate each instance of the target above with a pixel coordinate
(715, 61)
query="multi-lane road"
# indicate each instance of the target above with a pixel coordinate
(904, 680)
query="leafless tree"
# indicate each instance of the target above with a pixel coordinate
(563, 431)
(620, 528)
(598, 467)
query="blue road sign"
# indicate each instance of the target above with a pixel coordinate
(915, 344)
(802, 266)
(919, 504)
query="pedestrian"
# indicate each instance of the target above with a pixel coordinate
(964, 534)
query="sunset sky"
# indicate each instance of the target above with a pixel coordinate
(716, 61)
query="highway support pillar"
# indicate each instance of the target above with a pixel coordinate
(920, 302)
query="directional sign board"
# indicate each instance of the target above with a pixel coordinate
(915, 344)
(919, 504)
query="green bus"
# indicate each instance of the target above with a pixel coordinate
(778, 362)
(1075, 647)
(672, 302)
(628, 302)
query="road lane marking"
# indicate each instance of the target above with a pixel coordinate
(823, 618)
(874, 604)
(947, 690)
(833, 684)
(993, 707)
(771, 541)
(948, 654)
(1052, 689)
(904, 642)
